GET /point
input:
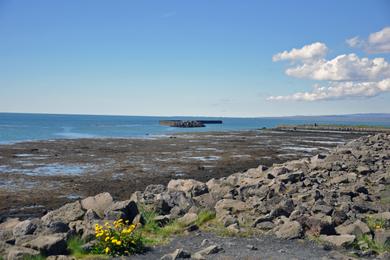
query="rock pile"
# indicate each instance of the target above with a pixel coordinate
(329, 196)
(48, 235)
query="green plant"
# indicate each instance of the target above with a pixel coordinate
(204, 216)
(75, 246)
(376, 223)
(117, 239)
(36, 257)
(365, 244)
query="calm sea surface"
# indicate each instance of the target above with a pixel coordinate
(22, 127)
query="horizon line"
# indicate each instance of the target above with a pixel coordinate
(127, 115)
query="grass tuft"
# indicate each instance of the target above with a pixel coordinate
(75, 246)
(366, 244)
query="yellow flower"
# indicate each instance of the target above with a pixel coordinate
(107, 238)
(107, 250)
(119, 243)
(377, 226)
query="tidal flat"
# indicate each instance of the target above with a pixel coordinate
(42, 175)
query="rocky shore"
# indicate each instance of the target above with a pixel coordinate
(340, 198)
(72, 169)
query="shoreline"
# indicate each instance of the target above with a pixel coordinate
(85, 167)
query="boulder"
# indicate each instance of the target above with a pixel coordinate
(49, 245)
(174, 203)
(21, 253)
(6, 229)
(338, 241)
(382, 236)
(26, 227)
(289, 230)
(66, 214)
(214, 249)
(188, 219)
(177, 254)
(191, 187)
(126, 210)
(233, 206)
(98, 203)
(357, 228)
(162, 220)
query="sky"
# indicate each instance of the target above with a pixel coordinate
(237, 58)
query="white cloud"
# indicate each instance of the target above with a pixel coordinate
(312, 51)
(348, 75)
(355, 42)
(339, 90)
(377, 42)
(343, 67)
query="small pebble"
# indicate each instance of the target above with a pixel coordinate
(251, 247)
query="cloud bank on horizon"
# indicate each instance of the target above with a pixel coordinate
(346, 75)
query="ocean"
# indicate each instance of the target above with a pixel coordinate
(17, 127)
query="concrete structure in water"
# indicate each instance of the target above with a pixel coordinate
(189, 123)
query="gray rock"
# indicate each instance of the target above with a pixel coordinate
(98, 203)
(21, 253)
(190, 187)
(66, 214)
(234, 228)
(382, 236)
(357, 228)
(289, 230)
(251, 247)
(188, 219)
(338, 241)
(26, 227)
(177, 254)
(6, 229)
(162, 220)
(126, 210)
(49, 245)
(214, 249)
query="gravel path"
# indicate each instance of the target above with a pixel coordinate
(266, 247)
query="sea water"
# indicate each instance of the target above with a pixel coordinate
(16, 127)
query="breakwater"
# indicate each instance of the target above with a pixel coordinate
(189, 123)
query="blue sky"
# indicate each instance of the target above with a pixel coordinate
(199, 57)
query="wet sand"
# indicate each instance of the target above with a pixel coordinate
(43, 175)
